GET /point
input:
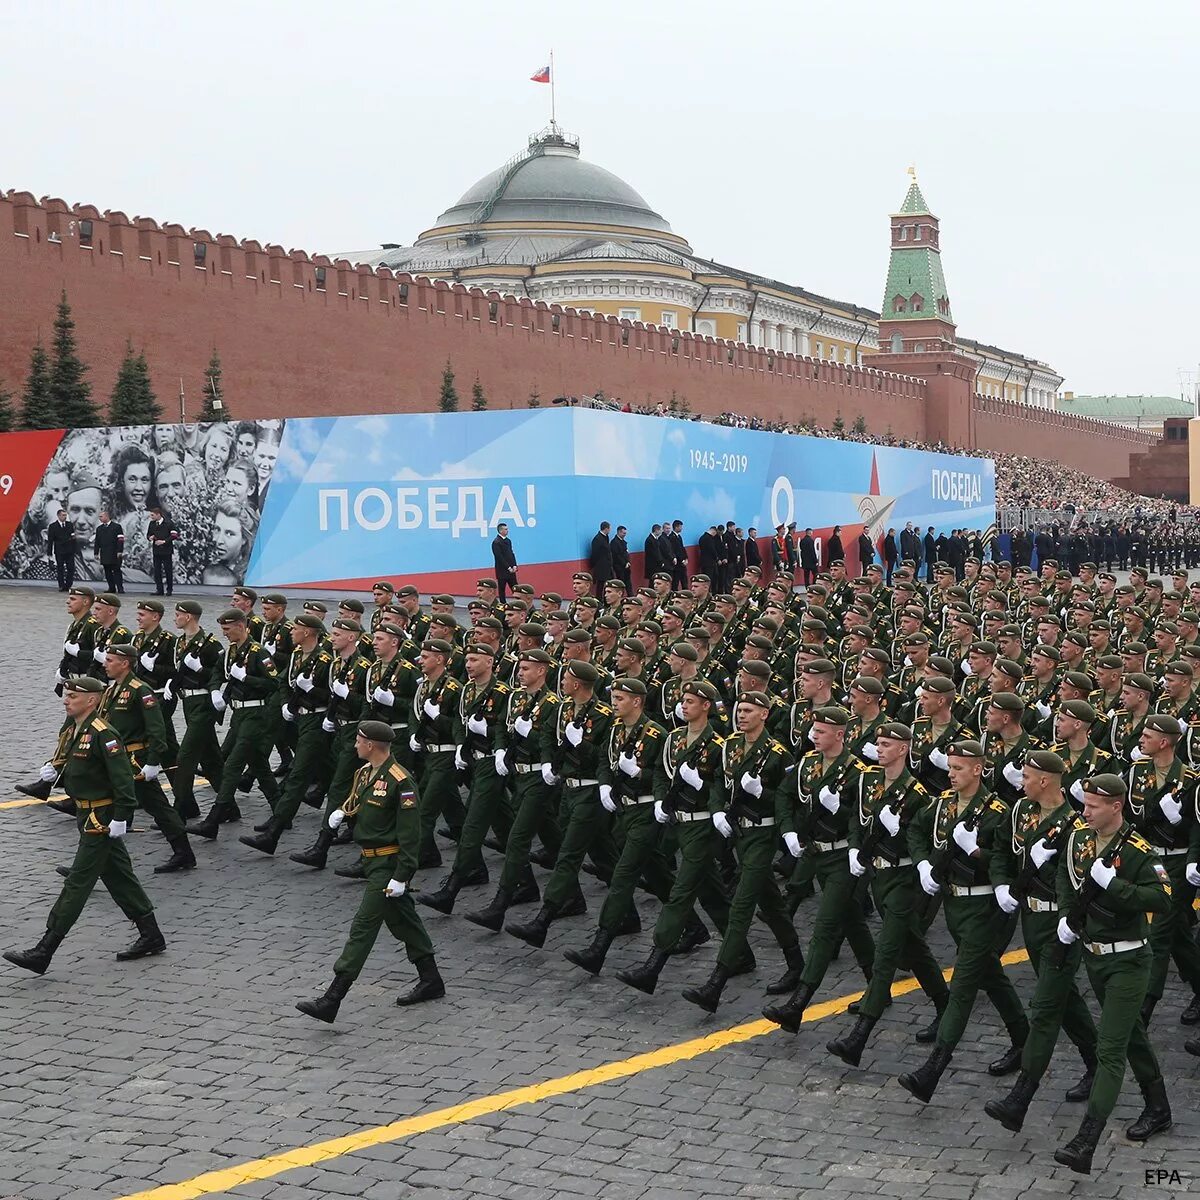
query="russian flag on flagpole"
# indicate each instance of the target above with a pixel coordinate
(542, 76)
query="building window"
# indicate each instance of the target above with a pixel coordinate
(670, 318)
(833, 353)
(916, 302)
(899, 304)
(741, 331)
(85, 232)
(320, 273)
(630, 314)
(199, 253)
(818, 350)
(706, 328)
(916, 233)
(897, 344)
(904, 233)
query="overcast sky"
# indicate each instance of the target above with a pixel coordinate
(1056, 141)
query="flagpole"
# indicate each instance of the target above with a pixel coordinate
(552, 105)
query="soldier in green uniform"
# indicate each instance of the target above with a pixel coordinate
(277, 642)
(1080, 756)
(1109, 879)
(391, 685)
(952, 842)
(886, 804)
(244, 599)
(934, 731)
(195, 655)
(754, 766)
(155, 665)
(431, 739)
(382, 594)
(387, 827)
(109, 630)
(97, 775)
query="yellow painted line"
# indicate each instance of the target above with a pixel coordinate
(214, 1182)
(27, 801)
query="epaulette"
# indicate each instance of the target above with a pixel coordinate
(255, 646)
(99, 723)
(1139, 843)
(946, 794)
(1080, 825)
(778, 747)
(451, 683)
(551, 698)
(652, 731)
(323, 657)
(919, 788)
(810, 753)
(718, 741)
(362, 662)
(134, 683)
(501, 687)
(603, 710)
(998, 806)
(397, 772)
(1191, 773)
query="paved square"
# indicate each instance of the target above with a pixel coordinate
(120, 1079)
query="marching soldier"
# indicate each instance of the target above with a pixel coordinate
(431, 739)
(109, 631)
(195, 656)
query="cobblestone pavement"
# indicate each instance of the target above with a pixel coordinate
(117, 1079)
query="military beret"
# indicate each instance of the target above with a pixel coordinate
(1050, 562)
(316, 606)
(246, 593)
(916, 639)
(408, 589)
(965, 618)
(1009, 631)
(896, 730)
(474, 606)
(516, 604)
(831, 714)
(821, 614)
(1155, 583)
(1140, 571)
(531, 629)
(1189, 652)
(1051, 652)
(1167, 627)
(550, 598)
(651, 627)
(1162, 723)
(664, 577)
(755, 667)
(1076, 638)
(1136, 611)
(278, 598)
(191, 607)
(769, 624)
(1099, 627)
(474, 647)
(575, 636)
(1081, 710)
(1006, 666)
(1174, 594)
(1079, 679)
(1179, 668)
(686, 651)
(874, 569)
(607, 621)
(1133, 649)
(877, 654)
(814, 625)
(701, 579)
(232, 616)
(1083, 606)
(868, 684)
(968, 748)
(1105, 785)
(986, 648)
(634, 602)
(348, 624)
(1125, 590)
(859, 631)
(939, 662)
(376, 731)
(1109, 576)
(85, 592)
(384, 586)
(904, 585)
(312, 621)
(387, 627)
(862, 610)
(523, 589)
(1140, 680)
(1008, 702)
(1187, 617)
(618, 585)
(583, 576)
(673, 610)
(1046, 760)
(536, 655)
(490, 623)
(154, 606)
(437, 645)
(702, 688)
(759, 642)
(715, 618)
(1110, 662)
(758, 699)
(113, 601)
(819, 666)
(942, 684)
(1062, 574)
(632, 646)
(83, 683)
(587, 602)
(627, 683)
(697, 633)
(446, 620)
(1038, 602)
(125, 650)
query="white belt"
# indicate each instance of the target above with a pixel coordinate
(526, 768)
(305, 711)
(1163, 852)
(1035, 905)
(246, 703)
(194, 692)
(1114, 947)
(398, 724)
(633, 801)
(882, 864)
(578, 783)
(747, 823)
(439, 749)
(476, 755)
(984, 889)
(825, 847)
(692, 816)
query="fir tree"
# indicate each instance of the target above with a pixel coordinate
(478, 399)
(8, 418)
(69, 388)
(213, 408)
(448, 400)
(38, 410)
(535, 398)
(839, 425)
(133, 401)
(860, 425)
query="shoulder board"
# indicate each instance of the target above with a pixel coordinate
(501, 688)
(133, 684)
(100, 723)
(998, 806)
(868, 768)
(946, 794)
(550, 698)
(323, 657)
(1080, 825)
(919, 788)
(652, 731)
(255, 646)
(397, 772)
(1191, 773)
(777, 747)
(362, 662)
(604, 710)
(452, 684)
(1139, 843)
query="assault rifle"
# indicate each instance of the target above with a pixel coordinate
(1076, 916)
(940, 865)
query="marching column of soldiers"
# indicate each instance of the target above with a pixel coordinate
(1012, 750)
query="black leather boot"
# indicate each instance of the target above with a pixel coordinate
(929, 1033)
(36, 958)
(632, 923)
(229, 814)
(325, 1008)
(591, 957)
(1009, 1061)
(1077, 1153)
(492, 916)
(1156, 1116)
(1083, 1089)
(576, 906)
(149, 940)
(695, 934)
(356, 870)
(645, 977)
(39, 789)
(791, 977)
(314, 795)
(923, 1082)
(744, 965)
(66, 806)
(429, 985)
(429, 857)
(245, 781)
(1010, 1111)
(527, 891)
(65, 872)
(318, 853)
(475, 877)
(1191, 1014)
(534, 932)
(850, 1047)
(182, 858)
(542, 857)
(268, 840)
(709, 995)
(208, 828)
(443, 899)
(790, 1013)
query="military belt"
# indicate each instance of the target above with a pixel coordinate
(398, 724)
(749, 823)
(1114, 947)
(306, 711)
(1035, 905)
(130, 747)
(578, 783)
(246, 703)
(692, 816)
(194, 692)
(883, 864)
(1163, 852)
(86, 804)
(982, 889)
(450, 746)
(526, 768)
(379, 851)
(825, 847)
(476, 755)
(634, 801)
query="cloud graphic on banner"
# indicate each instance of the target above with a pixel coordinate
(714, 508)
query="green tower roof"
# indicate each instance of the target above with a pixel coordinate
(914, 202)
(915, 283)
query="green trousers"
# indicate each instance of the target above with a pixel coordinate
(839, 915)
(98, 857)
(153, 800)
(201, 748)
(247, 746)
(309, 756)
(171, 756)
(438, 791)
(1171, 933)
(644, 859)
(586, 830)
(342, 763)
(696, 879)
(755, 889)
(376, 909)
(488, 806)
(972, 923)
(1056, 1002)
(900, 941)
(535, 810)
(1120, 981)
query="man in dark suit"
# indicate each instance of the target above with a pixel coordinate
(710, 549)
(505, 559)
(808, 557)
(620, 561)
(732, 554)
(110, 551)
(793, 552)
(753, 551)
(679, 559)
(60, 539)
(930, 554)
(834, 549)
(653, 553)
(600, 558)
(162, 534)
(890, 555)
(866, 552)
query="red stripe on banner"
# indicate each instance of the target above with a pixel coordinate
(23, 461)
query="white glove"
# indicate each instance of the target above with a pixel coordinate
(792, 842)
(117, 829)
(1041, 853)
(1013, 774)
(394, 889)
(573, 733)
(169, 691)
(100, 655)
(660, 814)
(383, 695)
(501, 765)
(1042, 709)
(811, 738)
(939, 759)
(548, 776)
(48, 773)
(218, 700)
(929, 885)
(150, 772)
(1171, 808)
(606, 798)
(338, 687)
(476, 725)
(1066, 934)
(751, 785)
(287, 714)
(1077, 790)
(965, 666)
(679, 711)
(721, 824)
(413, 744)
(192, 662)
(1192, 874)
(889, 820)
(1138, 755)
(71, 648)
(303, 682)
(237, 671)
(148, 661)
(907, 661)
(627, 764)
(691, 776)
(967, 840)
(870, 751)
(856, 867)
(431, 710)
(830, 800)
(1004, 897)
(1101, 874)
(460, 763)
(522, 726)
(336, 818)
(327, 725)
(269, 647)
(59, 677)
(918, 693)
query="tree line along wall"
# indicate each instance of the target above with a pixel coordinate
(304, 335)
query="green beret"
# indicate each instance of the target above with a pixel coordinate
(551, 598)
(627, 683)
(989, 649)
(877, 654)
(348, 624)
(1189, 652)
(376, 731)
(942, 684)
(576, 636)
(87, 594)
(1167, 627)
(583, 576)
(490, 623)
(1008, 702)
(556, 614)
(108, 598)
(1038, 602)
(618, 585)
(382, 585)
(968, 748)
(819, 666)
(1188, 617)
(1051, 652)
(191, 607)
(316, 606)
(896, 730)
(387, 627)
(274, 598)
(1110, 662)
(632, 646)
(246, 593)
(536, 655)
(939, 662)
(409, 589)
(859, 631)
(1081, 710)
(154, 606)
(1077, 638)
(1006, 666)
(1135, 611)
(868, 684)
(83, 683)
(758, 699)
(125, 650)
(1046, 760)
(759, 642)
(755, 667)
(715, 618)
(701, 688)
(916, 639)
(232, 616)
(310, 621)
(1009, 631)
(1162, 723)
(607, 622)
(697, 633)
(441, 598)
(531, 629)
(664, 577)
(1105, 785)
(1179, 668)
(436, 645)
(1141, 681)
(516, 604)
(652, 627)
(587, 602)
(813, 625)
(352, 605)
(965, 618)
(831, 714)
(685, 651)
(1079, 679)
(480, 648)
(771, 625)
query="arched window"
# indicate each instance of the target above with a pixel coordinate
(899, 304)
(915, 302)
(897, 344)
